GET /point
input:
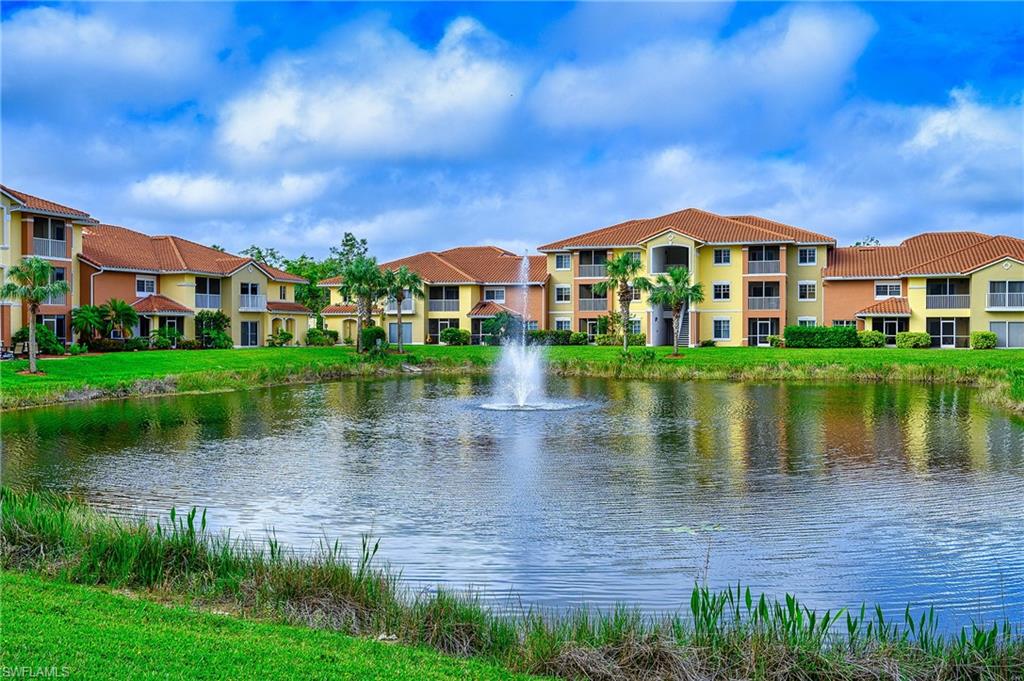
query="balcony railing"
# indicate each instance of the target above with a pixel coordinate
(49, 248)
(594, 271)
(948, 302)
(763, 267)
(248, 301)
(593, 304)
(1008, 300)
(763, 302)
(443, 305)
(208, 301)
(59, 299)
(408, 307)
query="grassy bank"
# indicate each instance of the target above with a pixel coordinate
(158, 372)
(732, 634)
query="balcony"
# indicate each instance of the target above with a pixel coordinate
(763, 267)
(594, 271)
(408, 307)
(59, 299)
(763, 303)
(248, 301)
(49, 248)
(1006, 301)
(948, 302)
(442, 305)
(593, 304)
(210, 301)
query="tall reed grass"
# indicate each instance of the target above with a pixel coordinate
(732, 634)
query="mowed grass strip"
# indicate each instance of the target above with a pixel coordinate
(95, 634)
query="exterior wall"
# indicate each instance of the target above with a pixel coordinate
(556, 310)
(181, 288)
(70, 264)
(10, 254)
(999, 271)
(845, 297)
(795, 308)
(781, 278)
(106, 285)
(230, 292)
(710, 309)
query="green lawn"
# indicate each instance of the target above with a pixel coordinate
(117, 373)
(95, 634)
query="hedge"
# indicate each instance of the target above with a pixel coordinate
(549, 337)
(579, 338)
(913, 339)
(372, 335)
(455, 336)
(983, 340)
(871, 339)
(821, 337)
(616, 339)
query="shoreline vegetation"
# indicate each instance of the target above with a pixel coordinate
(1000, 373)
(51, 542)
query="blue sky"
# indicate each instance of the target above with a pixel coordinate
(432, 125)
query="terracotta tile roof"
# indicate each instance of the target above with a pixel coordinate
(35, 203)
(345, 309)
(158, 303)
(467, 265)
(116, 247)
(894, 307)
(489, 308)
(698, 224)
(287, 306)
(928, 253)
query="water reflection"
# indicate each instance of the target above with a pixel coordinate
(837, 493)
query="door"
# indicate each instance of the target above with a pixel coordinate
(250, 334)
(764, 329)
(890, 327)
(144, 327)
(406, 332)
(947, 333)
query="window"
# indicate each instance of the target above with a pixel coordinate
(563, 324)
(807, 256)
(250, 333)
(721, 290)
(887, 289)
(1008, 334)
(145, 286)
(56, 323)
(721, 330)
(250, 289)
(635, 293)
(807, 321)
(532, 325)
(807, 290)
(48, 228)
(57, 274)
(282, 292)
(844, 322)
(563, 293)
(406, 332)
(633, 255)
(723, 256)
(563, 261)
(495, 294)
(634, 326)
(205, 285)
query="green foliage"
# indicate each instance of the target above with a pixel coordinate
(639, 356)
(161, 343)
(158, 343)
(319, 337)
(913, 339)
(983, 340)
(279, 339)
(708, 343)
(607, 339)
(46, 339)
(776, 341)
(165, 338)
(454, 336)
(118, 314)
(212, 327)
(87, 322)
(217, 340)
(189, 344)
(374, 336)
(501, 327)
(871, 339)
(31, 282)
(821, 337)
(269, 256)
(578, 338)
(106, 345)
(77, 349)
(549, 337)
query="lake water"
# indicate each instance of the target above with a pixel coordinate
(838, 494)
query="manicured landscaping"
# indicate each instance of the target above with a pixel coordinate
(154, 372)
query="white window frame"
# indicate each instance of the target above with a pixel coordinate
(568, 295)
(145, 278)
(532, 325)
(282, 291)
(728, 257)
(806, 282)
(814, 256)
(888, 283)
(813, 321)
(495, 289)
(714, 297)
(844, 322)
(568, 258)
(563, 320)
(635, 294)
(714, 329)
(639, 325)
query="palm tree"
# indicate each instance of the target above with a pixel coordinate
(676, 291)
(87, 322)
(362, 281)
(623, 279)
(396, 283)
(118, 314)
(32, 283)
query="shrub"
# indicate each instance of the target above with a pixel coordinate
(47, 342)
(821, 337)
(189, 345)
(218, 340)
(279, 339)
(143, 343)
(578, 338)
(320, 337)
(372, 335)
(871, 339)
(454, 336)
(708, 343)
(106, 345)
(614, 339)
(161, 343)
(77, 349)
(640, 356)
(348, 340)
(208, 323)
(913, 339)
(332, 334)
(776, 341)
(549, 337)
(983, 340)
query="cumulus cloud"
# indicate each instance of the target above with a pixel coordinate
(209, 194)
(373, 93)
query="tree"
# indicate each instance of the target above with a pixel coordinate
(868, 241)
(118, 314)
(396, 283)
(350, 249)
(211, 325)
(270, 256)
(502, 326)
(676, 291)
(87, 322)
(362, 282)
(32, 282)
(623, 279)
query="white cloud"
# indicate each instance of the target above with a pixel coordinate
(376, 94)
(214, 195)
(967, 123)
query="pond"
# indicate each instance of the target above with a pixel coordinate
(840, 494)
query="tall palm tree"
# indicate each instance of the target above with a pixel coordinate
(396, 283)
(623, 278)
(362, 281)
(118, 314)
(32, 283)
(87, 322)
(676, 291)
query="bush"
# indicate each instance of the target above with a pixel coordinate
(821, 337)
(161, 343)
(549, 337)
(319, 337)
(776, 341)
(332, 334)
(47, 342)
(641, 356)
(913, 339)
(372, 335)
(578, 338)
(143, 343)
(614, 339)
(279, 339)
(106, 345)
(871, 339)
(983, 340)
(218, 340)
(454, 336)
(77, 349)
(708, 343)
(189, 345)
(208, 324)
